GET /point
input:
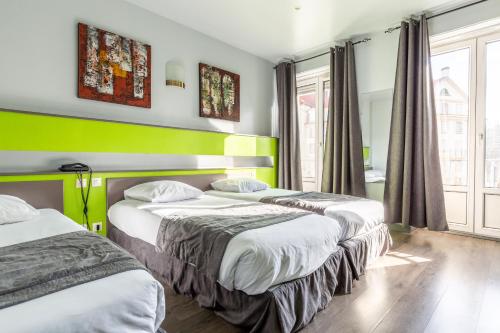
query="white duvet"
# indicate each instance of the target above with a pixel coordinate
(131, 301)
(254, 260)
(368, 213)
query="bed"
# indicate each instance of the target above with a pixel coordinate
(357, 216)
(121, 299)
(364, 235)
(272, 278)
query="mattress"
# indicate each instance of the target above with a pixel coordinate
(131, 301)
(254, 260)
(368, 213)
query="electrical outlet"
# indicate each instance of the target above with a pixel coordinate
(78, 185)
(96, 226)
(96, 182)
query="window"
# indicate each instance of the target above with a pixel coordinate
(451, 89)
(313, 91)
(459, 127)
(307, 120)
(444, 92)
(492, 115)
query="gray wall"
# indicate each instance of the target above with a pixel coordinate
(38, 65)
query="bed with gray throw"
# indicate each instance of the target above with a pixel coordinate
(57, 277)
(265, 268)
(48, 265)
(355, 215)
(364, 234)
(262, 267)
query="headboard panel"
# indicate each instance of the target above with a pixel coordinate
(116, 186)
(39, 194)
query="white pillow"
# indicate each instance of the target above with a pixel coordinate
(13, 209)
(239, 185)
(162, 191)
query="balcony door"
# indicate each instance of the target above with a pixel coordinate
(454, 77)
(467, 96)
(487, 217)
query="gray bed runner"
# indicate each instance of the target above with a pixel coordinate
(37, 268)
(315, 202)
(200, 237)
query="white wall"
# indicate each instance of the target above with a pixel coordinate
(38, 65)
(376, 69)
(468, 16)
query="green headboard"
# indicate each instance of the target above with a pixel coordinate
(29, 133)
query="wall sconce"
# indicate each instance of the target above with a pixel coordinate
(174, 73)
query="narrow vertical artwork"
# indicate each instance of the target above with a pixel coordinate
(219, 93)
(112, 68)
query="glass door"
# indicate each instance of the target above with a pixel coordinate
(307, 108)
(454, 82)
(487, 221)
(313, 93)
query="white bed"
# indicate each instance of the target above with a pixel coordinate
(131, 301)
(254, 260)
(370, 213)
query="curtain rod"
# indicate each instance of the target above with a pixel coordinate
(389, 30)
(365, 40)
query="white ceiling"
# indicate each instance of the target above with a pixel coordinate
(273, 29)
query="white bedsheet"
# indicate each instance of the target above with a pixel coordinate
(131, 301)
(254, 260)
(370, 213)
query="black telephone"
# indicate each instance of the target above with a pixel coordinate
(74, 167)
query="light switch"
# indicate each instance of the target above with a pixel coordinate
(78, 185)
(96, 182)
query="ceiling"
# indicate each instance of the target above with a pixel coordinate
(274, 29)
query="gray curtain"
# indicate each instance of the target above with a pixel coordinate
(289, 167)
(413, 189)
(343, 167)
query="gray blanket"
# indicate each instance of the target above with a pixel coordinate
(37, 268)
(315, 202)
(200, 237)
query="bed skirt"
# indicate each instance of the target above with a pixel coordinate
(287, 307)
(363, 249)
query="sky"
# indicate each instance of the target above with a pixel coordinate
(459, 64)
(493, 84)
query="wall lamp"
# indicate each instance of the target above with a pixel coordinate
(175, 75)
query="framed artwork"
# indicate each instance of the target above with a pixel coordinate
(219, 93)
(112, 68)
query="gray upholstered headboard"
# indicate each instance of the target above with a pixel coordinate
(116, 186)
(39, 194)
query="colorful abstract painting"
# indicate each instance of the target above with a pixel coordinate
(112, 68)
(219, 93)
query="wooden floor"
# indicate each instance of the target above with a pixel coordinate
(429, 282)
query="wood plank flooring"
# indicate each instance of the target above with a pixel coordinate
(429, 282)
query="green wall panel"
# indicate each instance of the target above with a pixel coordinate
(34, 132)
(23, 131)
